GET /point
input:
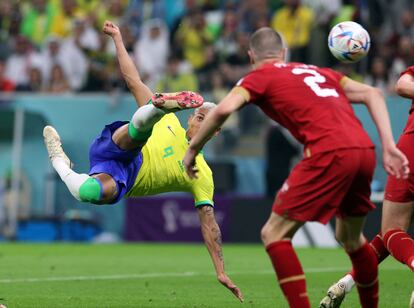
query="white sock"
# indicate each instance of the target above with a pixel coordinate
(72, 179)
(348, 281)
(146, 117)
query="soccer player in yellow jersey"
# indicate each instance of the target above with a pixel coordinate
(144, 156)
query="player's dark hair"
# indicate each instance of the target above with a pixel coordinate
(266, 43)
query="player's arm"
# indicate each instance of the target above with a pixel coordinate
(394, 160)
(405, 86)
(129, 71)
(212, 238)
(215, 118)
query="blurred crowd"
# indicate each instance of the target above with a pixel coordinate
(57, 46)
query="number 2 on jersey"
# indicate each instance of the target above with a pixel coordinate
(314, 81)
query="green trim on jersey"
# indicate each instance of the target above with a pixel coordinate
(203, 202)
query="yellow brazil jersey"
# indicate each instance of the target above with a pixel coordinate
(162, 169)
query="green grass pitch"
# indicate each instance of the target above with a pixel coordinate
(169, 275)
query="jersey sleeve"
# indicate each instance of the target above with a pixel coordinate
(203, 191)
(409, 70)
(335, 75)
(253, 86)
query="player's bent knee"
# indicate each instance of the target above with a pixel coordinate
(91, 191)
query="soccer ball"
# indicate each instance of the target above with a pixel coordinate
(348, 41)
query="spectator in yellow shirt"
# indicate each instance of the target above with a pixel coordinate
(294, 21)
(62, 23)
(175, 80)
(193, 35)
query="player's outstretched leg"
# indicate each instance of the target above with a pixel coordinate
(171, 102)
(145, 117)
(82, 186)
(337, 292)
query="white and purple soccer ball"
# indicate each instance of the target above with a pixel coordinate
(348, 41)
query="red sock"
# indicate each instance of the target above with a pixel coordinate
(365, 267)
(289, 273)
(378, 246)
(401, 246)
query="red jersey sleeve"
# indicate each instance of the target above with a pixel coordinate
(409, 70)
(334, 74)
(255, 83)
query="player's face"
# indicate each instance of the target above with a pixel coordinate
(195, 121)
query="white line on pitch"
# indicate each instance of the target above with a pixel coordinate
(161, 275)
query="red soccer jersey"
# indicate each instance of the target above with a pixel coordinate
(310, 102)
(409, 128)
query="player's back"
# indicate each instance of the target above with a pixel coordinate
(310, 102)
(409, 128)
(162, 169)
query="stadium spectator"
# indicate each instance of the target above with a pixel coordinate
(151, 51)
(10, 17)
(130, 158)
(402, 59)
(324, 11)
(67, 11)
(348, 11)
(102, 71)
(84, 35)
(237, 63)
(69, 56)
(193, 35)
(35, 80)
(176, 78)
(333, 178)
(205, 73)
(226, 44)
(37, 20)
(294, 21)
(139, 12)
(19, 62)
(251, 13)
(406, 25)
(6, 85)
(378, 76)
(58, 82)
(174, 10)
(112, 9)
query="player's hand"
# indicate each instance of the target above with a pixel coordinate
(226, 281)
(395, 162)
(111, 29)
(189, 163)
